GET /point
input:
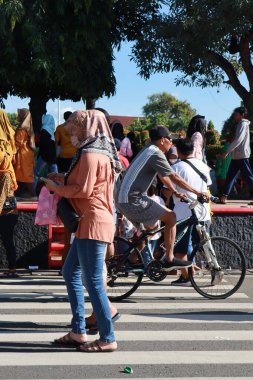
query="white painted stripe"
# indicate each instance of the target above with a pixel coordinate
(142, 287)
(205, 305)
(32, 287)
(28, 281)
(175, 378)
(134, 318)
(135, 296)
(194, 335)
(126, 358)
(192, 295)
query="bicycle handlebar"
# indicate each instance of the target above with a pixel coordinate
(200, 199)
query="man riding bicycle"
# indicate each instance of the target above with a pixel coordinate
(133, 201)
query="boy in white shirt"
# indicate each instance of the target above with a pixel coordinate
(185, 149)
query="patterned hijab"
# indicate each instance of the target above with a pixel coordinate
(7, 147)
(25, 122)
(90, 131)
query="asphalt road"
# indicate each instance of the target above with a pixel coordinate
(164, 332)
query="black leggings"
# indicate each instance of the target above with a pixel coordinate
(7, 224)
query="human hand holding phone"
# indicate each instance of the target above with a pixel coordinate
(56, 177)
(50, 185)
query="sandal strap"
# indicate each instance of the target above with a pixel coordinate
(91, 347)
(97, 345)
(64, 339)
(67, 339)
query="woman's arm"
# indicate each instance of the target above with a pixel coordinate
(86, 176)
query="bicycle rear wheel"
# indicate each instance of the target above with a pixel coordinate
(221, 284)
(124, 276)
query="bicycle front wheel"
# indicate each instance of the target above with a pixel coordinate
(124, 276)
(214, 284)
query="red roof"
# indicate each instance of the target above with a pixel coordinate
(124, 120)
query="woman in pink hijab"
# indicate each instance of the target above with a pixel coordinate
(88, 186)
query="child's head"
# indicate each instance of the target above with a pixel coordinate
(172, 155)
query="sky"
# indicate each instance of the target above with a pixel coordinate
(132, 92)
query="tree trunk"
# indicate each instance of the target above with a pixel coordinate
(248, 103)
(38, 108)
(90, 103)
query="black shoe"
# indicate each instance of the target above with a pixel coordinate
(175, 264)
(181, 281)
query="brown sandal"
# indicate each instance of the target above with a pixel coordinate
(94, 347)
(223, 199)
(67, 340)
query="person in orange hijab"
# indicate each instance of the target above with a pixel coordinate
(25, 145)
(8, 184)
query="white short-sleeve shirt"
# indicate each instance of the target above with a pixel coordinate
(185, 171)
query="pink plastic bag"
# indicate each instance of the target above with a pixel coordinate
(47, 208)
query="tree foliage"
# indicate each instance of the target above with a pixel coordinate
(64, 49)
(228, 129)
(166, 109)
(13, 117)
(56, 48)
(212, 137)
(208, 41)
(210, 126)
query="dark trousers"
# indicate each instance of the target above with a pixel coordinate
(7, 224)
(235, 166)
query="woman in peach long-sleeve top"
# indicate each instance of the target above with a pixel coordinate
(89, 188)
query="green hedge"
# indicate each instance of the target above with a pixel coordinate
(212, 151)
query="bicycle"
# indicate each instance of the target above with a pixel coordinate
(218, 271)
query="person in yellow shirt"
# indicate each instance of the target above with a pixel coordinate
(8, 184)
(24, 159)
(64, 146)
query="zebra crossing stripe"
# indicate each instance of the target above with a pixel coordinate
(194, 335)
(137, 295)
(126, 358)
(175, 378)
(134, 318)
(204, 305)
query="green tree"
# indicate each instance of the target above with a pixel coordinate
(166, 109)
(139, 124)
(50, 50)
(13, 117)
(210, 126)
(64, 49)
(212, 135)
(228, 129)
(209, 41)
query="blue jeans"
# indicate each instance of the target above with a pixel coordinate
(149, 248)
(86, 257)
(235, 166)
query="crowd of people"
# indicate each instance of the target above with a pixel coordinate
(111, 187)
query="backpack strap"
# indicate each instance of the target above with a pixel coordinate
(202, 176)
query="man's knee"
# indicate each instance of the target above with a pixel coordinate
(169, 218)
